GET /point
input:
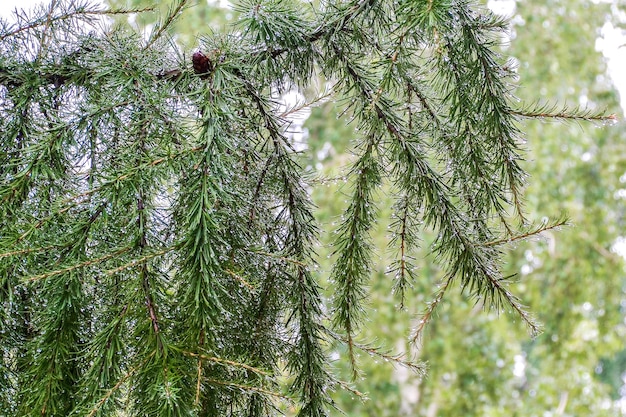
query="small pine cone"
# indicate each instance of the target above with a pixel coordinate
(201, 63)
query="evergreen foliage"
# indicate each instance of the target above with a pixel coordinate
(156, 228)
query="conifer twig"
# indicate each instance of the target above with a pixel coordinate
(167, 22)
(346, 386)
(27, 251)
(306, 104)
(119, 383)
(530, 233)
(551, 111)
(84, 264)
(140, 260)
(227, 362)
(240, 279)
(432, 306)
(399, 359)
(248, 388)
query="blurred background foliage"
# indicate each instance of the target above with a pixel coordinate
(482, 364)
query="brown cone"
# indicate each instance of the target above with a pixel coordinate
(201, 63)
